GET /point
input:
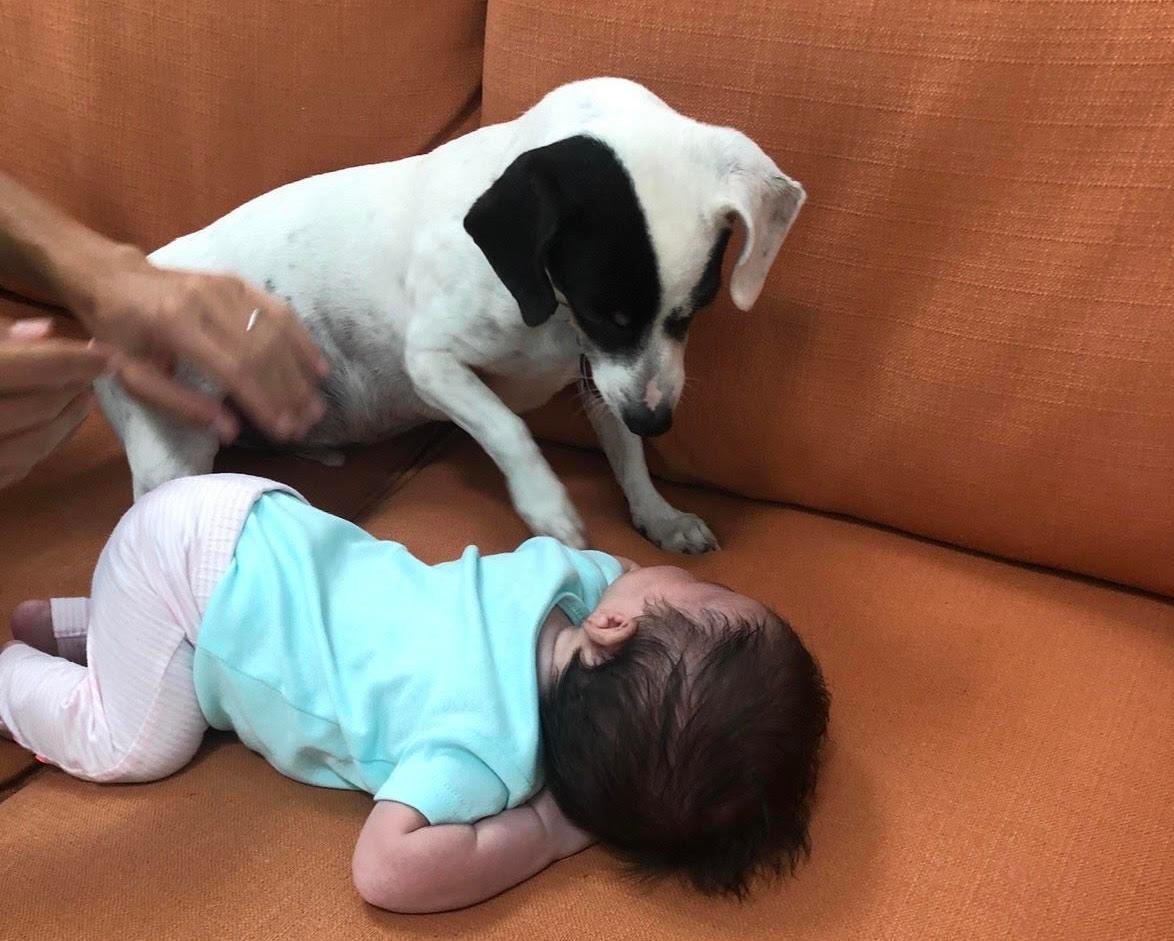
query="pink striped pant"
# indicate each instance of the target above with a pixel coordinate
(118, 703)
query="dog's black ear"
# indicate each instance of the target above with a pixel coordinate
(513, 223)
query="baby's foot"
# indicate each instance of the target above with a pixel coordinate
(32, 624)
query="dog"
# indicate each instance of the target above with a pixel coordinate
(469, 284)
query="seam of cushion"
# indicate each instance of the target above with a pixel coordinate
(424, 455)
(15, 782)
(469, 107)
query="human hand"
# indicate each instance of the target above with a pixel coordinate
(566, 838)
(44, 391)
(154, 315)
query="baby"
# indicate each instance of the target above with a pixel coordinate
(675, 720)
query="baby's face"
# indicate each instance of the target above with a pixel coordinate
(616, 618)
(631, 594)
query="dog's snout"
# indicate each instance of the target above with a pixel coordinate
(648, 422)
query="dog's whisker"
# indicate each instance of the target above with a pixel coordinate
(585, 407)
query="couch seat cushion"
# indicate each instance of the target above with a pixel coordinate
(999, 766)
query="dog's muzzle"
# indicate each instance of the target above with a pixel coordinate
(648, 422)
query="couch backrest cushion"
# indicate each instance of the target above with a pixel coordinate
(152, 119)
(969, 332)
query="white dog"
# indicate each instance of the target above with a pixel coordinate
(468, 284)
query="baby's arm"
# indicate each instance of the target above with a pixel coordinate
(403, 864)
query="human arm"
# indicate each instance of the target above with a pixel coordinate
(154, 315)
(403, 864)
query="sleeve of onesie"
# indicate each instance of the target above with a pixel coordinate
(596, 570)
(446, 784)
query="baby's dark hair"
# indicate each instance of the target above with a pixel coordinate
(694, 749)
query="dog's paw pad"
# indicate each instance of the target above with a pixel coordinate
(683, 532)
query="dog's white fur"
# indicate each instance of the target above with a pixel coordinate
(420, 326)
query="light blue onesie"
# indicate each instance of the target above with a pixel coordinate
(348, 663)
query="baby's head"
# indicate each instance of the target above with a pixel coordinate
(682, 727)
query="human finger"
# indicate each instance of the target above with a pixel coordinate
(53, 362)
(296, 336)
(285, 378)
(146, 382)
(21, 451)
(37, 407)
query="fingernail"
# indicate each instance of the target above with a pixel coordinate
(225, 428)
(31, 327)
(323, 368)
(286, 425)
(108, 351)
(317, 410)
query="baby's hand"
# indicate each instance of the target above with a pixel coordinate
(566, 839)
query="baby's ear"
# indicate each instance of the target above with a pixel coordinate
(606, 633)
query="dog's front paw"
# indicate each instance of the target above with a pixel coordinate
(677, 532)
(553, 514)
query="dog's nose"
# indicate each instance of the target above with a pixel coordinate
(648, 422)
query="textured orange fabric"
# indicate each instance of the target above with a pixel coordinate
(54, 523)
(149, 120)
(969, 332)
(1000, 765)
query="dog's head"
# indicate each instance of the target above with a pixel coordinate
(627, 227)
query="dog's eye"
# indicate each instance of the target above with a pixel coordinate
(620, 319)
(677, 325)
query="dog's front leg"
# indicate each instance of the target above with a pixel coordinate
(655, 518)
(447, 384)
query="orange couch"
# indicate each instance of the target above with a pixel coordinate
(942, 444)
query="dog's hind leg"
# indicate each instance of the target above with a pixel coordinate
(157, 448)
(160, 452)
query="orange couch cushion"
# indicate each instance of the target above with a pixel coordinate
(969, 332)
(999, 765)
(149, 120)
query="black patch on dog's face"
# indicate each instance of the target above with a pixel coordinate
(707, 288)
(704, 292)
(677, 324)
(601, 257)
(569, 209)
